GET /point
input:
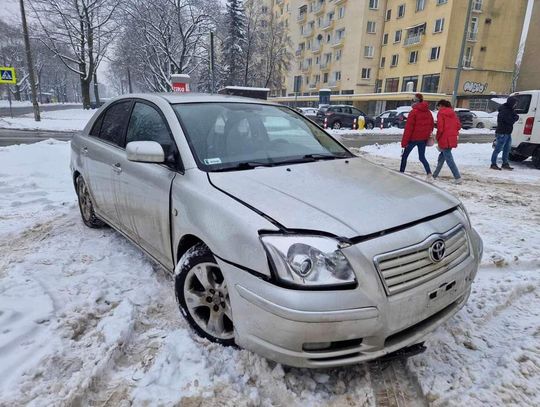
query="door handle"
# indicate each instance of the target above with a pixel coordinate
(84, 150)
(117, 168)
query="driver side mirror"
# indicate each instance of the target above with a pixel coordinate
(145, 152)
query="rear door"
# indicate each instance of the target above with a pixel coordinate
(101, 151)
(527, 128)
(143, 189)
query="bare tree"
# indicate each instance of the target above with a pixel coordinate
(78, 32)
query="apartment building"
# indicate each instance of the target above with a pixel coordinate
(422, 42)
(377, 53)
(529, 74)
(335, 45)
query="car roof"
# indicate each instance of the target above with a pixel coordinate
(189, 97)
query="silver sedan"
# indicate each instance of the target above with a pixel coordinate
(279, 239)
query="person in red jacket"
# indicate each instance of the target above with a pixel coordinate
(448, 126)
(418, 130)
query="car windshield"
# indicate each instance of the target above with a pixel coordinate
(239, 136)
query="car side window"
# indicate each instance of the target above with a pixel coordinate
(146, 124)
(97, 126)
(114, 123)
(347, 110)
(357, 112)
(336, 110)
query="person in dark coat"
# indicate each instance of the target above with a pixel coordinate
(505, 125)
(448, 126)
(418, 130)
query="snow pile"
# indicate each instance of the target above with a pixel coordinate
(60, 120)
(87, 319)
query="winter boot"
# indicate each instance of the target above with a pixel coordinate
(507, 167)
(495, 167)
(458, 181)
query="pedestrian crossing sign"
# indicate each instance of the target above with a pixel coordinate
(7, 75)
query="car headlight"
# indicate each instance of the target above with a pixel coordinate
(465, 214)
(309, 261)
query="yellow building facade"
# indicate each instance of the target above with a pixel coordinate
(377, 53)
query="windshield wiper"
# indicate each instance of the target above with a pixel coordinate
(319, 156)
(245, 165)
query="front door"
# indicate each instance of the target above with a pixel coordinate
(100, 151)
(143, 189)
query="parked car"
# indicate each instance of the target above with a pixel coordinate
(401, 119)
(484, 120)
(465, 117)
(388, 119)
(342, 116)
(248, 205)
(526, 134)
(309, 112)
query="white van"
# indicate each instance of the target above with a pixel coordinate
(526, 134)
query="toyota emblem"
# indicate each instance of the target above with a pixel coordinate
(437, 251)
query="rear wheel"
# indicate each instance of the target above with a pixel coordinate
(480, 125)
(536, 158)
(86, 206)
(336, 125)
(369, 125)
(516, 157)
(203, 296)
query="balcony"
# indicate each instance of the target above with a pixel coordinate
(472, 36)
(312, 85)
(316, 48)
(413, 40)
(339, 2)
(324, 65)
(318, 8)
(327, 24)
(338, 42)
(306, 67)
(334, 83)
(308, 32)
(301, 17)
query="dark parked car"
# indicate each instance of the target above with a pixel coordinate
(465, 116)
(342, 116)
(388, 119)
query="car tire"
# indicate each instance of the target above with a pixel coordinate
(86, 205)
(516, 157)
(203, 297)
(369, 126)
(536, 159)
(480, 125)
(336, 125)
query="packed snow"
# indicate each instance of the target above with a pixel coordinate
(87, 319)
(394, 131)
(59, 120)
(25, 103)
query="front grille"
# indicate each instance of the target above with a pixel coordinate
(406, 268)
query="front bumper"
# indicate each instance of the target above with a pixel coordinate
(334, 328)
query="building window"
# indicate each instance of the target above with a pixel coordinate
(337, 76)
(373, 4)
(371, 27)
(338, 54)
(383, 61)
(430, 83)
(473, 30)
(392, 85)
(467, 58)
(435, 53)
(401, 11)
(378, 86)
(368, 51)
(420, 5)
(388, 15)
(405, 84)
(325, 77)
(395, 60)
(366, 73)
(413, 57)
(439, 25)
(385, 39)
(341, 12)
(477, 6)
(264, 9)
(439, 2)
(397, 36)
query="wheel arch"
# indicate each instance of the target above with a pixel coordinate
(185, 243)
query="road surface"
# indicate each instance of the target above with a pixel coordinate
(9, 137)
(22, 110)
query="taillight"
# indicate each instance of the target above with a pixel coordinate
(529, 123)
(325, 123)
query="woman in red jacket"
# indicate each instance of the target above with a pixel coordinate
(448, 126)
(418, 129)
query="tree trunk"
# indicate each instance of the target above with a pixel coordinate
(85, 93)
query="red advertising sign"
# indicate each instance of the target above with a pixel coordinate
(180, 87)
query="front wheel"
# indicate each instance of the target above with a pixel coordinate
(203, 296)
(336, 125)
(86, 206)
(369, 125)
(480, 125)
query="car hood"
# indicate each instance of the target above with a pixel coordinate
(348, 198)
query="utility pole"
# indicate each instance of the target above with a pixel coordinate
(462, 53)
(212, 63)
(29, 63)
(96, 90)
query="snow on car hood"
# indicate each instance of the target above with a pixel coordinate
(344, 197)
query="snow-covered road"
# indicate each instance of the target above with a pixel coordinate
(87, 319)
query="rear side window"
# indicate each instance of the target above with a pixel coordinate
(114, 123)
(97, 126)
(523, 104)
(146, 124)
